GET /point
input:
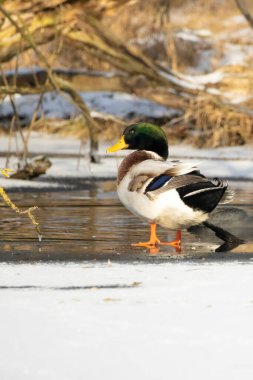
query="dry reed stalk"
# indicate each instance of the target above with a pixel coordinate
(217, 124)
(28, 212)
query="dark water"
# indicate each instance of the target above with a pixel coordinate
(92, 225)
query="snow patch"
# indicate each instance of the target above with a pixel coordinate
(211, 78)
(58, 106)
(168, 324)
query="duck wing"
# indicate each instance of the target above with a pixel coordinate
(195, 190)
(152, 175)
(203, 196)
(157, 167)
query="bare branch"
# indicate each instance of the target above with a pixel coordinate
(240, 4)
(60, 85)
(12, 90)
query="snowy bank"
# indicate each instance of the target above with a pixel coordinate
(227, 163)
(182, 321)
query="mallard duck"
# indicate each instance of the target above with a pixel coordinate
(172, 194)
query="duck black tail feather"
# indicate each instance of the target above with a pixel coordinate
(203, 196)
(230, 241)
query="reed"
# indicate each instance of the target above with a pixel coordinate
(29, 212)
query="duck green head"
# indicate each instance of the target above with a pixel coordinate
(143, 136)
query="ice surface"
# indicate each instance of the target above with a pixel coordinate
(184, 321)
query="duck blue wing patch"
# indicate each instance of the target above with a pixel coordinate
(158, 182)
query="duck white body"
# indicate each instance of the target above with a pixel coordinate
(166, 209)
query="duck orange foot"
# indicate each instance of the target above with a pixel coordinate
(154, 241)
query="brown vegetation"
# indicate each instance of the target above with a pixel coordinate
(141, 42)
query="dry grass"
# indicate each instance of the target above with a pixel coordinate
(108, 127)
(204, 14)
(216, 124)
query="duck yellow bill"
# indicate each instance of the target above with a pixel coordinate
(121, 144)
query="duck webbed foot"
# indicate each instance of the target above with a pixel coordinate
(175, 243)
(154, 241)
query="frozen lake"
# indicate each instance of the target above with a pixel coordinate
(84, 304)
(89, 223)
(126, 321)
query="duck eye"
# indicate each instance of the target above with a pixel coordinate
(132, 132)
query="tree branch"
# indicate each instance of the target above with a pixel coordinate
(60, 85)
(245, 12)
